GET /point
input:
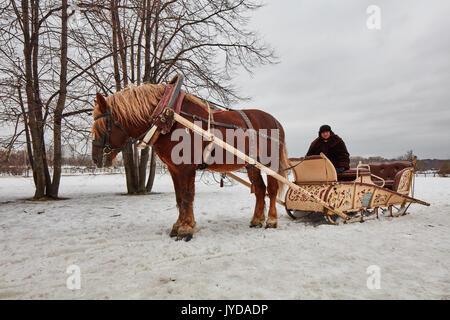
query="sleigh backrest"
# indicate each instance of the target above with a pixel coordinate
(313, 169)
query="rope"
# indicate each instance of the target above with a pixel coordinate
(210, 145)
(288, 168)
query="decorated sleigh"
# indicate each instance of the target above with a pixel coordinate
(356, 194)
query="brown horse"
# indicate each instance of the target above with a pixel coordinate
(131, 113)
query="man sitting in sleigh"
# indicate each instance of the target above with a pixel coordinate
(333, 147)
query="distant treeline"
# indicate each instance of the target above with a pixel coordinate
(441, 165)
(15, 162)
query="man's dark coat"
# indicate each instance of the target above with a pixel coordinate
(334, 148)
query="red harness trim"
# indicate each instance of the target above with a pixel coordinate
(214, 111)
(163, 103)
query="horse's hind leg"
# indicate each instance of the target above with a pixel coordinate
(254, 174)
(272, 190)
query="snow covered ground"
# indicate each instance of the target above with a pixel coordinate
(123, 250)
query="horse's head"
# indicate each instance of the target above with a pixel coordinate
(109, 137)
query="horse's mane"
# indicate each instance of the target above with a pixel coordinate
(135, 105)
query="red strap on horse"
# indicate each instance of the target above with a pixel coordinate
(163, 104)
(172, 98)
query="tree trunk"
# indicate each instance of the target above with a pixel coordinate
(143, 161)
(27, 133)
(114, 46)
(130, 169)
(151, 174)
(30, 48)
(53, 192)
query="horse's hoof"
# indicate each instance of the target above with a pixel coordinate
(186, 237)
(256, 225)
(271, 224)
(185, 233)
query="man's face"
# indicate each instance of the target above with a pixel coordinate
(325, 135)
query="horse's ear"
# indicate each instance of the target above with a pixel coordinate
(101, 102)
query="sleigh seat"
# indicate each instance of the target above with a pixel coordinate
(390, 172)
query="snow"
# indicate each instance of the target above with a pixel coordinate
(122, 247)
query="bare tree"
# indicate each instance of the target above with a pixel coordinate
(24, 30)
(205, 40)
(444, 168)
(408, 156)
(34, 84)
(54, 56)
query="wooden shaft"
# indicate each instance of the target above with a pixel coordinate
(144, 143)
(245, 183)
(251, 161)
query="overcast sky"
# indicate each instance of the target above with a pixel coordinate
(383, 91)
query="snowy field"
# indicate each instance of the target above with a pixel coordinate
(122, 247)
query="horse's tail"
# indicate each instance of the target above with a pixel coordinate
(284, 160)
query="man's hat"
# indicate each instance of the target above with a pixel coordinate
(324, 128)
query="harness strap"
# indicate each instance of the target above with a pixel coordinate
(210, 145)
(215, 123)
(252, 136)
(172, 98)
(231, 126)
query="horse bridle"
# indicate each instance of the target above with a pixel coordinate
(105, 142)
(177, 81)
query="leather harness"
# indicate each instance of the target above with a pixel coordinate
(173, 98)
(252, 136)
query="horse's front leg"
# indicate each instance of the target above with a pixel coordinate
(184, 183)
(177, 224)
